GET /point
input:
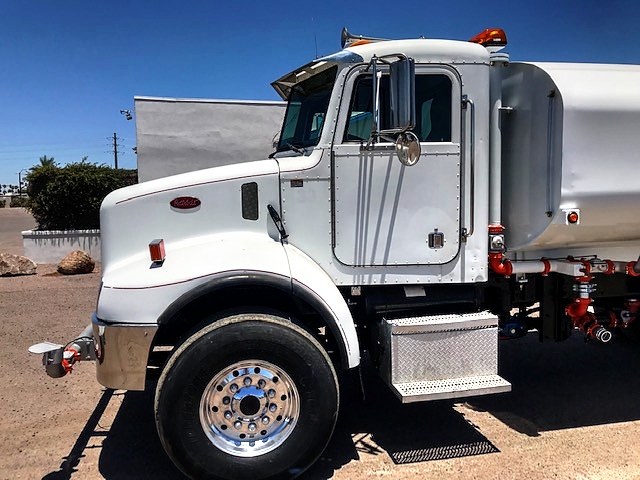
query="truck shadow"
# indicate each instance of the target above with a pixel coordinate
(566, 385)
(555, 386)
(378, 425)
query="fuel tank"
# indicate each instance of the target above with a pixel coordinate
(570, 155)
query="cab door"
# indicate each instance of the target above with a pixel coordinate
(386, 213)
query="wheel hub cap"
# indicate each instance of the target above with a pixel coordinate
(249, 408)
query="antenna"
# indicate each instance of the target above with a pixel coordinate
(315, 35)
(315, 40)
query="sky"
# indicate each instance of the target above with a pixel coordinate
(68, 67)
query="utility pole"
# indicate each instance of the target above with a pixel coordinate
(115, 149)
(20, 181)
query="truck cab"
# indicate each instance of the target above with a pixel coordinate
(384, 222)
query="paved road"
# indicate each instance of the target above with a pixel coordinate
(12, 222)
(573, 413)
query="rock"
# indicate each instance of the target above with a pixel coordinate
(16, 265)
(76, 262)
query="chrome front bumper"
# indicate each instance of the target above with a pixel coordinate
(122, 352)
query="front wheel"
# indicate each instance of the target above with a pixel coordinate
(250, 396)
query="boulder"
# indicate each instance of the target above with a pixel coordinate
(76, 262)
(16, 265)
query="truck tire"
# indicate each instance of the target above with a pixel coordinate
(250, 396)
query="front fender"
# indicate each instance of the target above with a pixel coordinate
(137, 291)
(312, 283)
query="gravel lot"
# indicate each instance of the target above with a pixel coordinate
(573, 413)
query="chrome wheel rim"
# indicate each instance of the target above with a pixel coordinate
(249, 408)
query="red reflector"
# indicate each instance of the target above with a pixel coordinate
(156, 250)
(573, 217)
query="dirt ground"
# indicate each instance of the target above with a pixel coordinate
(573, 413)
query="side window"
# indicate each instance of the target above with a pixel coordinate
(361, 112)
(433, 108)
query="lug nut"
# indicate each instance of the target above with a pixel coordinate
(247, 381)
(271, 393)
(265, 420)
(237, 425)
(252, 427)
(233, 388)
(261, 383)
(273, 407)
(228, 415)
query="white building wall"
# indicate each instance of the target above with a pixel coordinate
(176, 135)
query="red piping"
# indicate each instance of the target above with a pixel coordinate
(587, 277)
(547, 267)
(632, 269)
(499, 264)
(578, 309)
(611, 267)
(585, 320)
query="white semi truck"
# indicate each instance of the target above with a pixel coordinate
(427, 198)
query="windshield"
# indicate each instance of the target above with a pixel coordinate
(306, 111)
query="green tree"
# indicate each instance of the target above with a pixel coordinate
(47, 162)
(69, 197)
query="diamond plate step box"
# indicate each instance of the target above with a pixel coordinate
(442, 356)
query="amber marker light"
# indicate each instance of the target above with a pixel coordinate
(359, 42)
(572, 217)
(156, 250)
(491, 37)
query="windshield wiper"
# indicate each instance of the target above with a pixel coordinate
(289, 146)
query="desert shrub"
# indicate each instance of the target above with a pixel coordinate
(3, 202)
(69, 197)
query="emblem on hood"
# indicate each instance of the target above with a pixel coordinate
(185, 203)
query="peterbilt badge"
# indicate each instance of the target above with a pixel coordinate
(185, 203)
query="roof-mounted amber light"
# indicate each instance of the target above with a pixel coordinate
(359, 42)
(491, 37)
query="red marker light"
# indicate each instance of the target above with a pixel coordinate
(572, 217)
(156, 250)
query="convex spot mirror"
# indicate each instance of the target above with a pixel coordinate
(408, 148)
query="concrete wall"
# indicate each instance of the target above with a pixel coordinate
(51, 246)
(181, 135)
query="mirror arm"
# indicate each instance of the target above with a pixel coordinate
(390, 135)
(377, 75)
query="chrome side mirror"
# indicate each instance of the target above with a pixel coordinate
(402, 103)
(403, 94)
